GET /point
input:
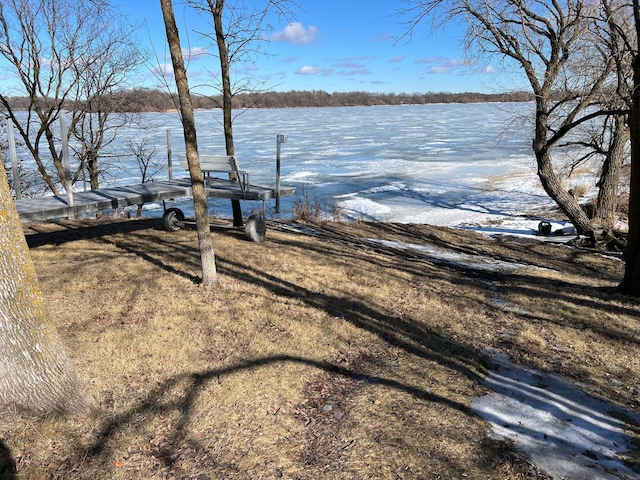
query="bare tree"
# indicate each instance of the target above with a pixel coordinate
(530, 35)
(144, 154)
(547, 41)
(98, 111)
(611, 37)
(216, 9)
(615, 153)
(207, 257)
(63, 54)
(35, 373)
(236, 30)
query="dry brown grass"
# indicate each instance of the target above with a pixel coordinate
(320, 356)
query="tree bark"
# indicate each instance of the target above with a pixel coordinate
(217, 7)
(565, 201)
(205, 244)
(548, 178)
(607, 201)
(36, 374)
(631, 281)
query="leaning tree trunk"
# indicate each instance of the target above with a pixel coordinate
(607, 201)
(565, 201)
(542, 146)
(36, 374)
(207, 256)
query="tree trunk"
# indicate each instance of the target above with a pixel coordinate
(207, 256)
(223, 52)
(607, 201)
(550, 181)
(91, 159)
(565, 201)
(36, 374)
(631, 281)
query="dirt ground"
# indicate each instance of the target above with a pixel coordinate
(331, 351)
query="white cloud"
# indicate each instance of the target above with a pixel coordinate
(310, 70)
(487, 69)
(446, 66)
(195, 52)
(440, 69)
(295, 33)
(462, 62)
(306, 70)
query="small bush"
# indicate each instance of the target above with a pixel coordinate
(307, 210)
(338, 213)
(579, 190)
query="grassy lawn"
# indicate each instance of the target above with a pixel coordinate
(336, 354)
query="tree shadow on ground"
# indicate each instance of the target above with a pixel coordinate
(65, 231)
(8, 469)
(162, 401)
(567, 432)
(523, 282)
(403, 332)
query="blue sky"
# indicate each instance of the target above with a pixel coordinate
(331, 45)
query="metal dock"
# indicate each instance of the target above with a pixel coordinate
(39, 209)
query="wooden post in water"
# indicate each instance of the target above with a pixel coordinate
(64, 134)
(14, 160)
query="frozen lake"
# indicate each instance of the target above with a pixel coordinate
(443, 164)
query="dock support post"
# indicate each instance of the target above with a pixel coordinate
(279, 140)
(14, 160)
(169, 161)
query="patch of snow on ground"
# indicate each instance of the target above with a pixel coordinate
(465, 260)
(564, 431)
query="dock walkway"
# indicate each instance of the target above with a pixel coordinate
(39, 209)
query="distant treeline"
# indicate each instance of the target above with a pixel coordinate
(150, 100)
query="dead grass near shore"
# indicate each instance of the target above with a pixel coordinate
(321, 355)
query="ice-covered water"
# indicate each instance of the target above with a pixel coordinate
(439, 164)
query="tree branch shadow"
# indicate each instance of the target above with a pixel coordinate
(8, 469)
(190, 385)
